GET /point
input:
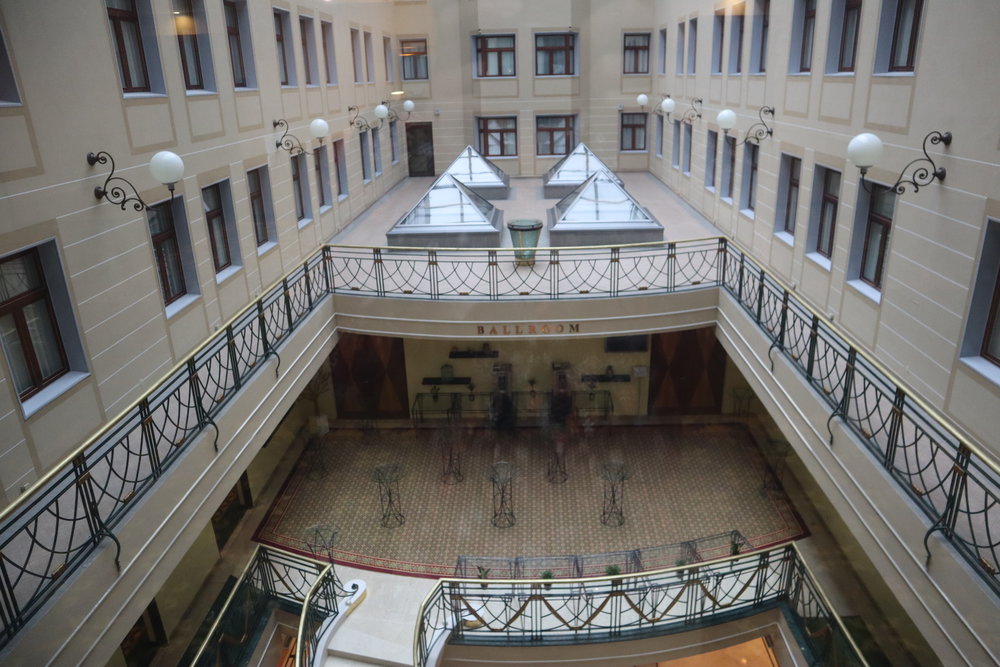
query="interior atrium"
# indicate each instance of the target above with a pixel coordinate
(453, 332)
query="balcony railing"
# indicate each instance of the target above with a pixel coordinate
(51, 530)
(544, 612)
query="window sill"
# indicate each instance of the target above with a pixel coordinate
(557, 76)
(227, 273)
(200, 93)
(265, 248)
(313, 86)
(290, 86)
(180, 304)
(785, 238)
(983, 367)
(425, 79)
(58, 387)
(144, 96)
(633, 151)
(687, 173)
(377, 174)
(500, 157)
(726, 200)
(838, 75)
(710, 188)
(800, 74)
(304, 222)
(820, 260)
(895, 74)
(635, 73)
(246, 89)
(5, 104)
(864, 289)
(506, 77)
(341, 198)
(748, 213)
(324, 208)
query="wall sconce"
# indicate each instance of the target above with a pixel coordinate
(667, 106)
(755, 133)
(642, 99)
(359, 121)
(318, 128)
(694, 113)
(166, 167)
(383, 111)
(865, 149)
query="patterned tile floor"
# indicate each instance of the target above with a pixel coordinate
(684, 482)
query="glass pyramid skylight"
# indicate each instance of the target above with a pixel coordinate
(598, 212)
(579, 165)
(448, 215)
(482, 176)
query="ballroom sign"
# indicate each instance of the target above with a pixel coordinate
(527, 329)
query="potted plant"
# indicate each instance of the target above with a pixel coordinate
(547, 574)
(613, 571)
(483, 573)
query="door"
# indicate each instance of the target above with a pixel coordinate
(420, 148)
(686, 373)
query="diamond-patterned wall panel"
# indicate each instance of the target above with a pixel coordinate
(687, 370)
(369, 377)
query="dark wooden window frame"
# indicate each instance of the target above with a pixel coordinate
(632, 54)
(297, 189)
(730, 146)
(794, 173)
(15, 308)
(568, 47)
(630, 121)
(808, 29)
(118, 18)
(279, 38)
(483, 51)
(765, 25)
(911, 46)
(305, 25)
(167, 242)
(190, 68)
(215, 219)
(255, 185)
(829, 204)
(329, 62)
(406, 54)
(991, 321)
(886, 224)
(568, 128)
(849, 51)
(740, 19)
(235, 40)
(485, 131)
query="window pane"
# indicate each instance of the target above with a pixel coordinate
(873, 245)
(15, 354)
(18, 275)
(173, 271)
(44, 338)
(132, 44)
(905, 22)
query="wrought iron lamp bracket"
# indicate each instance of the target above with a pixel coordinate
(114, 189)
(359, 121)
(288, 141)
(760, 130)
(924, 174)
(693, 113)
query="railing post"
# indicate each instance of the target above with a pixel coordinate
(956, 490)
(721, 267)
(195, 383)
(845, 400)
(554, 274)
(895, 428)
(233, 357)
(309, 294)
(262, 326)
(614, 271)
(379, 271)
(813, 341)
(433, 275)
(783, 324)
(327, 270)
(671, 266)
(11, 611)
(288, 302)
(739, 281)
(148, 437)
(760, 294)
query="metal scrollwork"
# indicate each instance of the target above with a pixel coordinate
(760, 130)
(925, 174)
(694, 113)
(114, 189)
(288, 141)
(357, 120)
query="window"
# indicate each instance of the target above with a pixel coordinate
(498, 136)
(359, 67)
(636, 53)
(329, 55)
(366, 165)
(711, 145)
(300, 189)
(688, 139)
(718, 35)
(554, 135)
(387, 56)
(495, 55)
(193, 41)
(803, 31)
(240, 51)
(788, 195)
(680, 48)
(899, 29)
(394, 141)
(692, 59)
(761, 20)
(749, 189)
(8, 84)
(736, 40)
(322, 165)
(878, 225)
(659, 135)
(135, 45)
(217, 202)
(414, 56)
(29, 328)
(823, 217)
(307, 35)
(340, 163)
(555, 54)
(172, 249)
(982, 334)
(633, 132)
(261, 209)
(663, 51)
(675, 146)
(728, 167)
(377, 150)
(844, 20)
(283, 42)
(369, 57)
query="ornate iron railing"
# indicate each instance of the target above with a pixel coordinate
(51, 530)
(319, 610)
(272, 578)
(550, 612)
(955, 485)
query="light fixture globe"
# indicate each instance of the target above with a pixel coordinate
(864, 150)
(726, 119)
(668, 105)
(642, 99)
(166, 167)
(381, 111)
(319, 128)
(408, 105)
